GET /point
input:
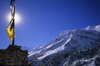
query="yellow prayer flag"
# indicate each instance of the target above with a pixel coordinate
(11, 30)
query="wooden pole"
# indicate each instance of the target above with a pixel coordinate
(13, 25)
(13, 35)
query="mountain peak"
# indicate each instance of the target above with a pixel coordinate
(96, 28)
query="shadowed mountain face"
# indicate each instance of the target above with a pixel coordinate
(67, 42)
(87, 57)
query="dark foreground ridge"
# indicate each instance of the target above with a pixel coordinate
(13, 56)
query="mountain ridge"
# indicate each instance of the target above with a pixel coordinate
(66, 42)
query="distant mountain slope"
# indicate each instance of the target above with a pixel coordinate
(31, 49)
(68, 41)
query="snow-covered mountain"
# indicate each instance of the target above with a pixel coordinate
(67, 42)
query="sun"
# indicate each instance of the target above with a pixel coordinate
(17, 18)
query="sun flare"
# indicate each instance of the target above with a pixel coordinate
(17, 18)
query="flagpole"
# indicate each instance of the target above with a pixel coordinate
(13, 35)
(13, 24)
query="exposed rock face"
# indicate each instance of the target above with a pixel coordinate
(88, 57)
(13, 56)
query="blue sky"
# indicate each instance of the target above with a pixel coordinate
(43, 20)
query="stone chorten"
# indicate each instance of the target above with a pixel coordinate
(13, 56)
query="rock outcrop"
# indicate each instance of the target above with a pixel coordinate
(13, 56)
